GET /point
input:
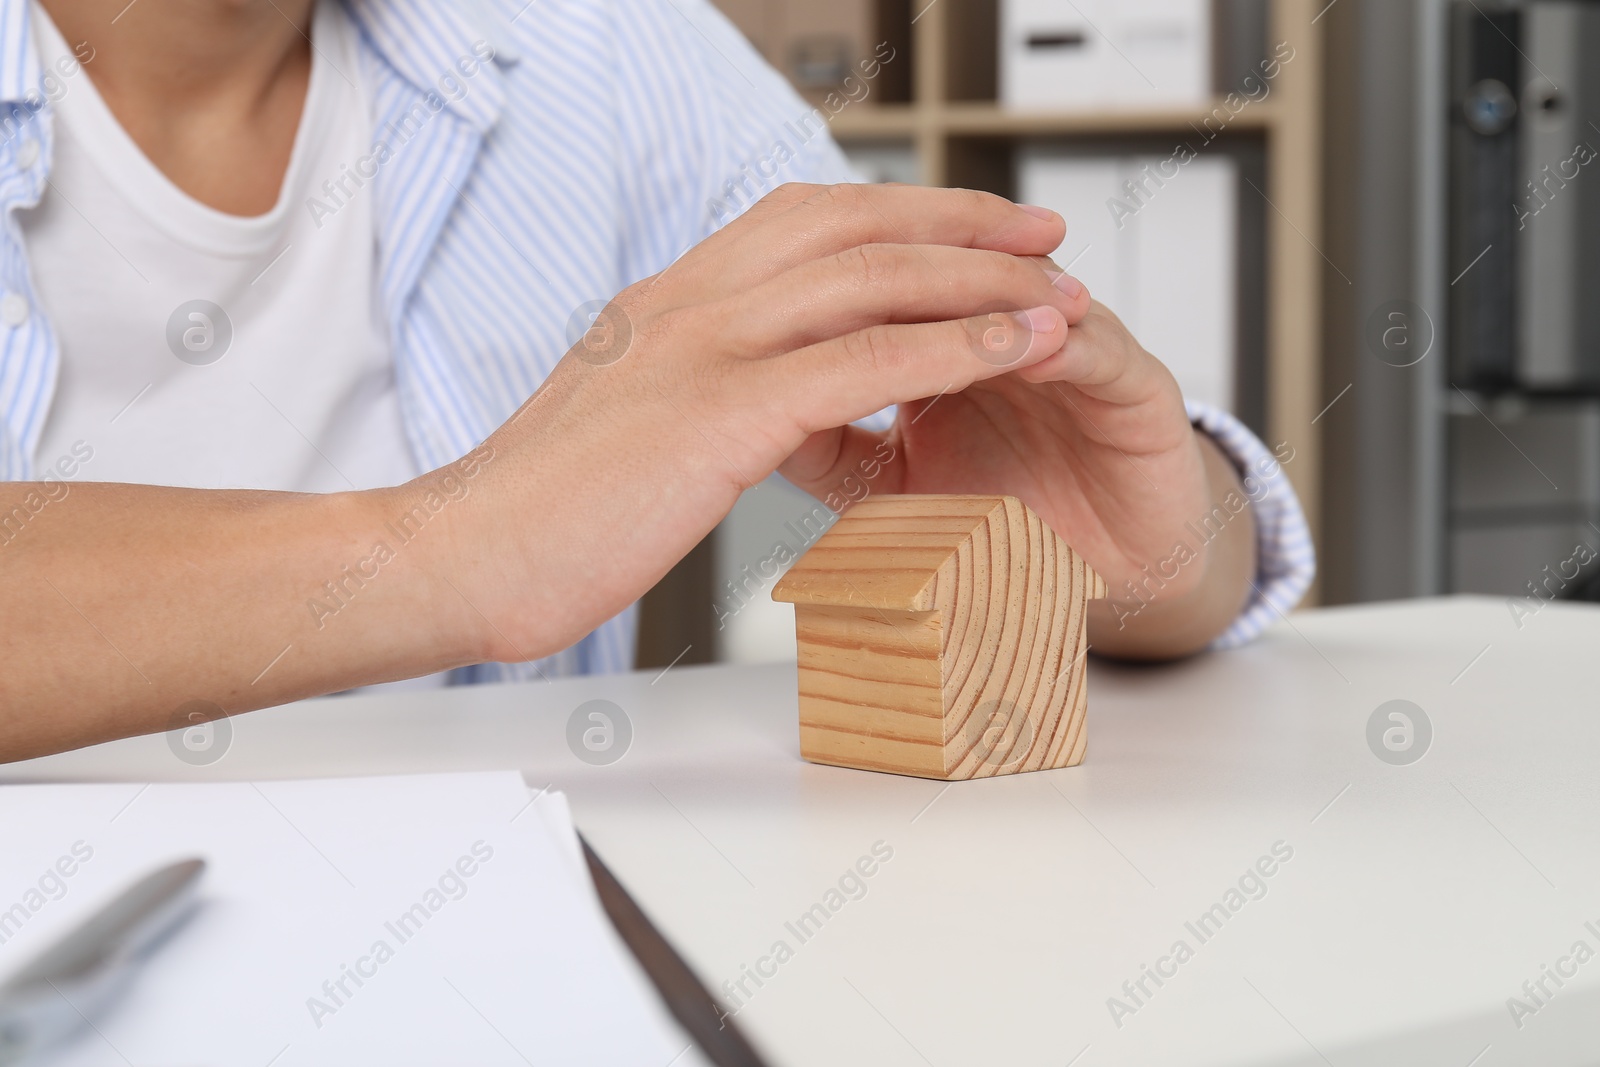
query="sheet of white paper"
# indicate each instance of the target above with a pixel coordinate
(418, 920)
(555, 819)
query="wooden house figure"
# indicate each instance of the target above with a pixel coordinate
(943, 637)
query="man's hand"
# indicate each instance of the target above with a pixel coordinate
(1095, 439)
(819, 306)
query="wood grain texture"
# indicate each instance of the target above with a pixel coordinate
(941, 636)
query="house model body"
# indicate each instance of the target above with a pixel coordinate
(943, 637)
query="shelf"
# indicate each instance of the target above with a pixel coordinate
(878, 121)
(990, 120)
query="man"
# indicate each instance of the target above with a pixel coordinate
(282, 274)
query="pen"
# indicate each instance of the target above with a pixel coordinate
(52, 996)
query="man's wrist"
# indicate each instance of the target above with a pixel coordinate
(428, 532)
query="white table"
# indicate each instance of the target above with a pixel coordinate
(1418, 898)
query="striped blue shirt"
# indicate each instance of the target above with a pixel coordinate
(600, 142)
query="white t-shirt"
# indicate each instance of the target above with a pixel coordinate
(302, 396)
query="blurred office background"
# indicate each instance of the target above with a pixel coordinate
(1367, 227)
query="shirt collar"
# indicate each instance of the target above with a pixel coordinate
(19, 59)
(431, 43)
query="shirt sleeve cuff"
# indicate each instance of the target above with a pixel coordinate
(1286, 558)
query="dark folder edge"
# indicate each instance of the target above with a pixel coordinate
(686, 997)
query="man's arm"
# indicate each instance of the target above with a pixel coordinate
(123, 603)
(119, 604)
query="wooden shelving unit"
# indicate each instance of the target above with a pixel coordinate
(962, 137)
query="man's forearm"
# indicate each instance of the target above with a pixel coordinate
(1153, 626)
(121, 604)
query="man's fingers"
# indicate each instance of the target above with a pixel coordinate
(1103, 361)
(811, 222)
(843, 465)
(850, 377)
(1074, 290)
(869, 285)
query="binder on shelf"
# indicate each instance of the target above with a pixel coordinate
(1105, 53)
(1156, 241)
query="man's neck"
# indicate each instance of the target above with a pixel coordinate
(210, 90)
